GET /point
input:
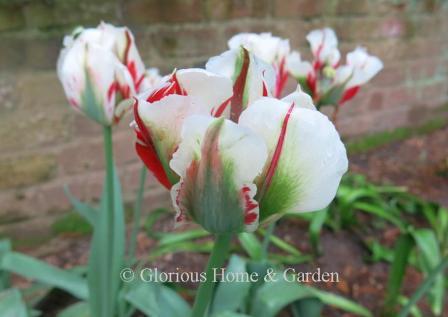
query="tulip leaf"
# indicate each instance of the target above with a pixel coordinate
(272, 296)
(307, 307)
(428, 245)
(317, 222)
(171, 238)
(229, 314)
(107, 253)
(41, 271)
(86, 211)
(229, 296)
(157, 300)
(12, 304)
(403, 248)
(185, 246)
(340, 302)
(251, 245)
(80, 309)
(5, 278)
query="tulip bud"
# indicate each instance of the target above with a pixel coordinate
(100, 69)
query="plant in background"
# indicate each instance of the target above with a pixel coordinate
(325, 79)
(233, 158)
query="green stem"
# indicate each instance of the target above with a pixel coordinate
(137, 214)
(424, 287)
(108, 156)
(267, 240)
(216, 260)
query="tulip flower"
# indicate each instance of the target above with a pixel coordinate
(360, 68)
(271, 49)
(159, 114)
(252, 79)
(100, 68)
(324, 46)
(282, 156)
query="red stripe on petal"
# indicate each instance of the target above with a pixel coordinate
(277, 153)
(250, 206)
(149, 157)
(221, 108)
(238, 88)
(349, 94)
(147, 152)
(281, 79)
(111, 91)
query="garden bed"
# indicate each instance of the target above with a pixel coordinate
(419, 163)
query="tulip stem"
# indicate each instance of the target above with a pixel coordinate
(216, 260)
(267, 240)
(137, 214)
(110, 209)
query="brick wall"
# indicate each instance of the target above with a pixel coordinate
(45, 145)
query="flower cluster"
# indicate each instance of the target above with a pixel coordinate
(100, 69)
(231, 154)
(325, 79)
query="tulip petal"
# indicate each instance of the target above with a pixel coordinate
(252, 78)
(217, 161)
(211, 89)
(300, 99)
(311, 161)
(163, 119)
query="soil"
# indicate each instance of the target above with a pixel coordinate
(419, 163)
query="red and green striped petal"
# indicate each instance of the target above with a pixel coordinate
(217, 162)
(306, 158)
(252, 78)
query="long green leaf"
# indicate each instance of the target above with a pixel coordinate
(307, 307)
(157, 300)
(171, 238)
(5, 278)
(230, 296)
(89, 213)
(272, 296)
(424, 287)
(104, 268)
(427, 243)
(251, 245)
(403, 248)
(80, 309)
(340, 302)
(12, 305)
(317, 222)
(40, 271)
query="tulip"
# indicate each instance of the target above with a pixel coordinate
(99, 69)
(282, 156)
(271, 49)
(360, 68)
(252, 79)
(324, 46)
(159, 114)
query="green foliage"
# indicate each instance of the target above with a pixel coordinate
(268, 297)
(71, 223)
(373, 141)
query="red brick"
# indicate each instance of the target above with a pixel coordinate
(156, 11)
(188, 42)
(298, 8)
(221, 10)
